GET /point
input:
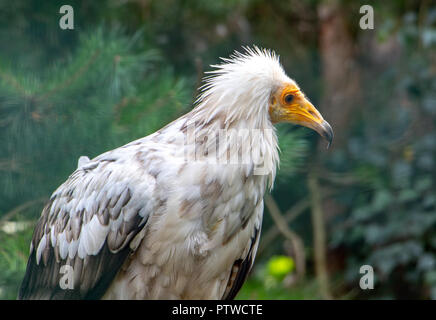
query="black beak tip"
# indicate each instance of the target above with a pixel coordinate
(327, 133)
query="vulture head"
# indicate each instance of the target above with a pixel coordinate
(253, 86)
(289, 104)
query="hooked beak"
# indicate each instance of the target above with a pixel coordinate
(326, 131)
(300, 111)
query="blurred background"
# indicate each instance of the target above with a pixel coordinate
(131, 66)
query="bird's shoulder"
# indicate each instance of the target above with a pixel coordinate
(89, 223)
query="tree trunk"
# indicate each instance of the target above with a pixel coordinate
(338, 105)
(339, 70)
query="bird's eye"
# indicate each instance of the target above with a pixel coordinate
(289, 98)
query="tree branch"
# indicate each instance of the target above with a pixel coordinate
(282, 226)
(293, 213)
(7, 216)
(319, 236)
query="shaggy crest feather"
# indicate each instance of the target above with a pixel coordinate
(241, 86)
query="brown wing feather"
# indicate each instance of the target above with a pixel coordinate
(105, 242)
(241, 268)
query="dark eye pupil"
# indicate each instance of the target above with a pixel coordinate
(289, 98)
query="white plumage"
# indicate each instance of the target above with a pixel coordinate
(177, 214)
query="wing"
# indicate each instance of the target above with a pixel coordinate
(241, 268)
(86, 229)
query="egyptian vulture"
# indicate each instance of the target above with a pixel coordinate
(176, 214)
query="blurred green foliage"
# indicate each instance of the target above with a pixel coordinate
(92, 101)
(280, 266)
(392, 217)
(13, 260)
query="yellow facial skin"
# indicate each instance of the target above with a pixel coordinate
(289, 104)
